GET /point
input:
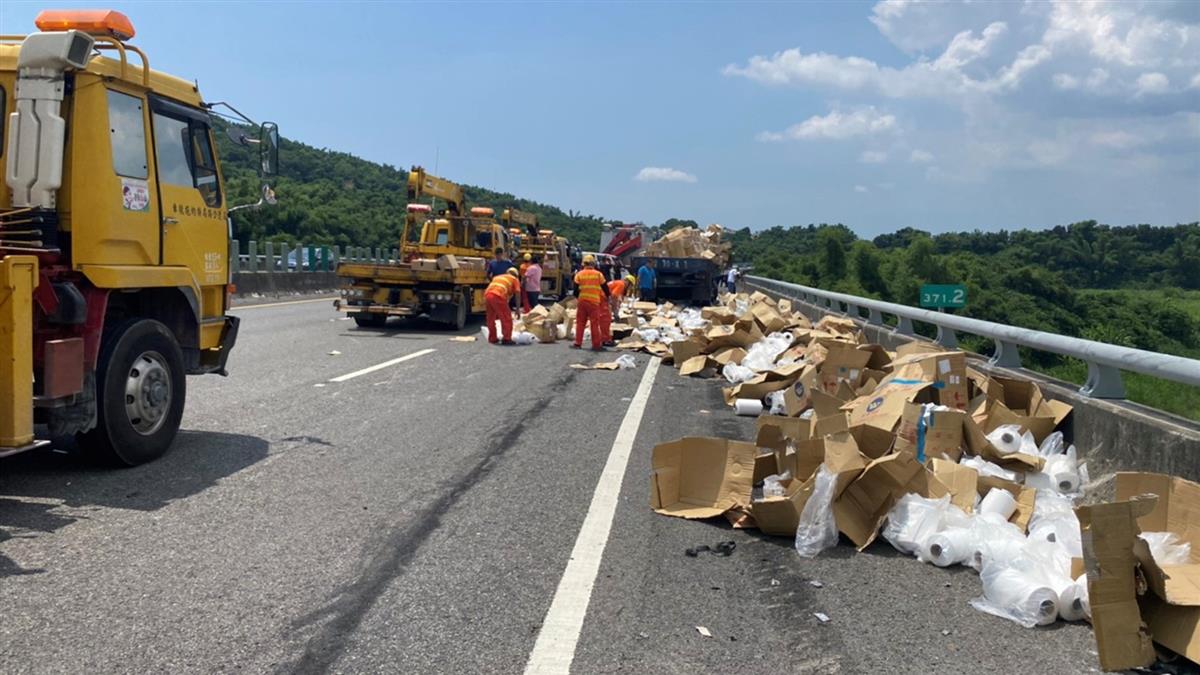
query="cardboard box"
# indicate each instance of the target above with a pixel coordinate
(781, 515)
(1025, 496)
(774, 431)
(728, 355)
(764, 465)
(698, 477)
(862, 507)
(798, 397)
(1026, 406)
(697, 365)
(1109, 532)
(682, 350)
(1178, 511)
(718, 315)
(961, 481)
(544, 331)
(447, 262)
(947, 370)
(842, 362)
(768, 318)
(940, 437)
(764, 383)
(877, 414)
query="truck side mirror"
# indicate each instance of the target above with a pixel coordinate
(268, 149)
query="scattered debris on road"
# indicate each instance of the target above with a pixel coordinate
(951, 464)
(723, 549)
(704, 631)
(822, 617)
(334, 352)
(464, 338)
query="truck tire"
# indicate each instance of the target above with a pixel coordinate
(370, 320)
(140, 392)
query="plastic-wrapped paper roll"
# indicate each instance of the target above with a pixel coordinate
(1000, 502)
(751, 407)
(1071, 602)
(995, 550)
(949, 547)
(1066, 482)
(1081, 595)
(1026, 600)
(1006, 439)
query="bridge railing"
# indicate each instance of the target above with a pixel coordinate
(285, 257)
(1104, 361)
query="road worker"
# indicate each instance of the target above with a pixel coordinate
(526, 261)
(531, 281)
(591, 288)
(499, 294)
(612, 309)
(500, 264)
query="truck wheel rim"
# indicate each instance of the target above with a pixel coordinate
(148, 393)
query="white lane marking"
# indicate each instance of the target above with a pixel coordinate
(554, 649)
(281, 304)
(381, 366)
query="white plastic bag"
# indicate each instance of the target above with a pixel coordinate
(773, 485)
(1054, 521)
(1166, 548)
(626, 362)
(1052, 445)
(914, 519)
(735, 373)
(817, 530)
(524, 338)
(1059, 473)
(986, 468)
(762, 354)
(775, 401)
(1016, 590)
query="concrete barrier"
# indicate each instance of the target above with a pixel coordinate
(1112, 435)
(283, 269)
(284, 283)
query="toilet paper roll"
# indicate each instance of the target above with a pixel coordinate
(995, 550)
(1006, 442)
(999, 502)
(1023, 597)
(751, 407)
(1070, 604)
(1081, 594)
(1066, 481)
(949, 547)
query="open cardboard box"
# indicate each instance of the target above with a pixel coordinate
(697, 477)
(861, 509)
(940, 436)
(781, 515)
(947, 370)
(1026, 406)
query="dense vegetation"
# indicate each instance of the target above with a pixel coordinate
(1137, 286)
(336, 199)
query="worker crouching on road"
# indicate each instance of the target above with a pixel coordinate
(499, 294)
(591, 288)
(617, 290)
(525, 263)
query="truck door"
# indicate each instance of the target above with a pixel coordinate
(194, 227)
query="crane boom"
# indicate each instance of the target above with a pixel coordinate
(512, 217)
(422, 184)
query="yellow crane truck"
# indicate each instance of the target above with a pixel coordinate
(114, 240)
(442, 274)
(554, 251)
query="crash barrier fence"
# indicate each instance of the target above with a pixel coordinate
(280, 257)
(1104, 361)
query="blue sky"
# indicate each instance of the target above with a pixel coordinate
(877, 115)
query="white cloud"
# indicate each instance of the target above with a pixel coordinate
(1124, 33)
(1195, 84)
(861, 188)
(919, 156)
(837, 125)
(1117, 139)
(663, 174)
(1152, 83)
(1065, 81)
(873, 157)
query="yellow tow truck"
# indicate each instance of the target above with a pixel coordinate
(554, 251)
(442, 274)
(114, 240)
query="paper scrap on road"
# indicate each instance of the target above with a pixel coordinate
(822, 617)
(335, 352)
(464, 338)
(703, 631)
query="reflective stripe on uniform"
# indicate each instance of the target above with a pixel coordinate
(502, 286)
(589, 282)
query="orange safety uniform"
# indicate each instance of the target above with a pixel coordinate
(525, 307)
(590, 282)
(496, 298)
(612, 308)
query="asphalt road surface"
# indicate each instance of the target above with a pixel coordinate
(419, 517)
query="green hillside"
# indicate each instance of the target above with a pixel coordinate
(334, 198)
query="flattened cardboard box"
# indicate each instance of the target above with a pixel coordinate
(1109, 532)
(697, 477)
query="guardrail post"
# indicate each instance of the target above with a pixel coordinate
(235, 256)
(252, 251)
(876, 318)
(269, 257)
(946, 338)
(1006, 355)
(904, 326)
(1103, 382)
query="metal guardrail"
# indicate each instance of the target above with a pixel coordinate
(273, 257)
(1104, 361)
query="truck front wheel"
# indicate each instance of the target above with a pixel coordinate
(140, 389)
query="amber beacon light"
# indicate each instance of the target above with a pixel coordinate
(91, 21)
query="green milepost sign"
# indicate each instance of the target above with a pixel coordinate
(938, 296)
